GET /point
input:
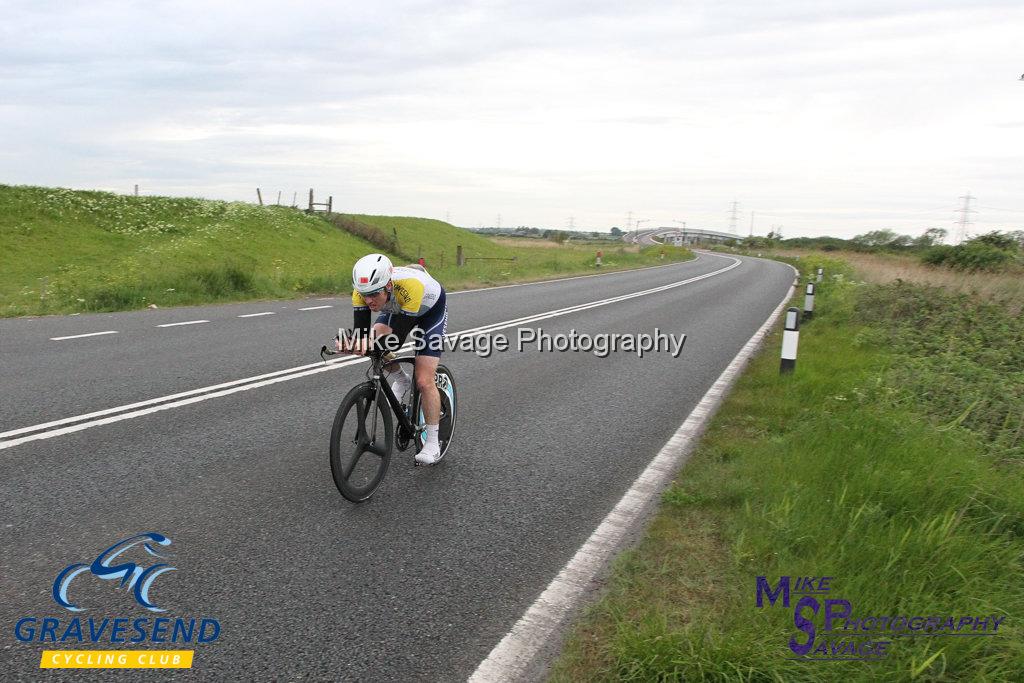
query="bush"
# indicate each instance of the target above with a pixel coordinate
(938, 256)
(999, 240)
(977, 254)
(961, 361)
(375, 236)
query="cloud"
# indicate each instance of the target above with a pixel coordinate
(527, 109)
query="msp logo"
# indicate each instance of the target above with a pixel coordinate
(135, 577)
(843, 634)
(127, 564)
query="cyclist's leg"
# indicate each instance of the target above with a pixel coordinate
(426, 366)
(427, 358)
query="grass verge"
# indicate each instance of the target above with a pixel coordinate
(66, 251)
(860, 467)
(491, 261)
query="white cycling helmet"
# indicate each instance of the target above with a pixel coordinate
(371, 273)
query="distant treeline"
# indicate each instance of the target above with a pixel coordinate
(548, 234)
(995, 250)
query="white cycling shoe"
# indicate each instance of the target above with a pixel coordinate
(430, 454)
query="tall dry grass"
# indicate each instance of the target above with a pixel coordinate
(1004, 288)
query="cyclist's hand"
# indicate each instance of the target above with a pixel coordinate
(359, 346)
(356, 347)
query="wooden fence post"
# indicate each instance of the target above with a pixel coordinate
(259, 196)
(459, 258)
(311, 200)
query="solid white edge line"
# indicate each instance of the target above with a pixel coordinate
(516, 654)
(203, 393)
(254, 315)
(79, 336)
(187, 322)
(148, 402)
(176, 404)
(314, 308)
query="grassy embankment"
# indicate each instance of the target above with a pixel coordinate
(891, 460)
(488, 259)
(64, 251)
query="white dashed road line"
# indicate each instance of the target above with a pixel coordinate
(110, 415)
(315, 308)
(79, 336)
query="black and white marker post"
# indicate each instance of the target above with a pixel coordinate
(790, 339)
(821, 272)
(809, 301)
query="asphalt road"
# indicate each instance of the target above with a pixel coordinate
(417, 584)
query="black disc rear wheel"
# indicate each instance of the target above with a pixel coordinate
(445, 381)
(361, 443)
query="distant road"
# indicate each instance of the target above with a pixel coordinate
(646, 237)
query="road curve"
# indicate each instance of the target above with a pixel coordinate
(419, 583)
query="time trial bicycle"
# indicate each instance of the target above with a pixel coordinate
(363, 435)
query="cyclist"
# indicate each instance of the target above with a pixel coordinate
(404, 298)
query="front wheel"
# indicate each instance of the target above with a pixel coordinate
(361, 442)
(445, 381)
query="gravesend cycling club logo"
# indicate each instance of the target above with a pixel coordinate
(842, 634)
(133, 564)
(137, 578)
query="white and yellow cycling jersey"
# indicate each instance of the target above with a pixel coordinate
(414, 293)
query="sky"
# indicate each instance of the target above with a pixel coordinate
(815, 118)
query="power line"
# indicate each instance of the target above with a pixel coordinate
(732, 217)
(965, 215)
(996, 208)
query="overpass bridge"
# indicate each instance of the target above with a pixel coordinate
(677, 236)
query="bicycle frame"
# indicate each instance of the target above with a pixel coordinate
(375, 373)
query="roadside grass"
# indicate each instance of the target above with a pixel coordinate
(492, 261)
(593, 245)
(539, 264)
(68, 251)
(848, 468)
